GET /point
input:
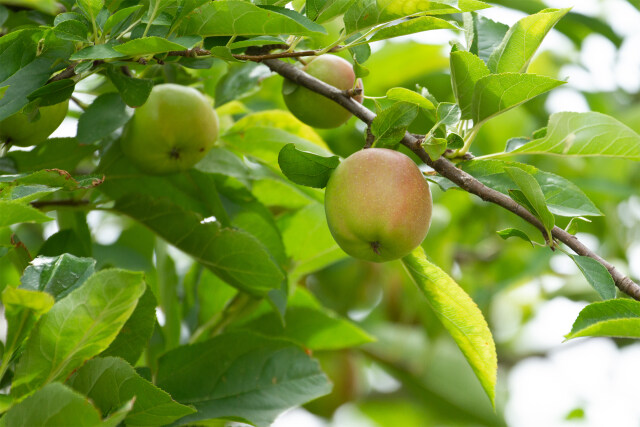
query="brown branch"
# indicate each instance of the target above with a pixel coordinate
(70, 202)
(447, 169)
(196, 52)
(67, 73)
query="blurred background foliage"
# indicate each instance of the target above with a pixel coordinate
(414, 375)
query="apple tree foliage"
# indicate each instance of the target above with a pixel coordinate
(223, 296)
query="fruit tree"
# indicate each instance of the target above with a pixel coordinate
(217, 211)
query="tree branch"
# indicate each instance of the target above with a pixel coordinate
(258, 57)
(447, 169)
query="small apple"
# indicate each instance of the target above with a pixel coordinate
(172, 131)
(23, 129)
(317, 110)
(378, 205)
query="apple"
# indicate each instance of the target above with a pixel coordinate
(24, 129)
(172, 131)
(378, 205)
(317, 110)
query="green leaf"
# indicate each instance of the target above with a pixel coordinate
(611, 318)
(308, 241)
(105, 114)
(522, 40)
(483, 35)
(147, 46)
(308, 324)
(22, 309)
(584, 134)
(14, 212)
(60, 153)
(225, 376)
(572, 227)
(100, 51)
(496, 93)
(50, 7)
(91, 8)
(111, 382)
(597, 276)
(532, 191)
(514, 232)
(53, 93)
(240, 81)
(460, 316)
(134, 92)
(22, 71)
(136, 332)
(363, 14)
(447, 114)
(406, 95)
(57, 276)
(234, 255)
(306, 168)
(324, 10)
(239, 18)
(466, 70)
(120, 16)
(563, 197)
(435, 147)
(72, 30)
(454, 141)
(390, 124)
(77, 328)
(412, 26)
(57, 405)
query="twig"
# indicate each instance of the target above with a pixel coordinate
(448, 170)
(196, 52)
(70, 202)
(67, 73)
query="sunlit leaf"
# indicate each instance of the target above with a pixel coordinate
(460, 316)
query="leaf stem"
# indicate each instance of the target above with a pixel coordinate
(239, 305)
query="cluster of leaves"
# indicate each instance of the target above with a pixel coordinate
(83, 342)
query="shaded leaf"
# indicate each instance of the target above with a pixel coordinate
(111, 382)
(390, 124)
(58, 276)
(597, 275)
(57, 405)
(105, 115)
(229, 18)
(306, 168)
(225, 376)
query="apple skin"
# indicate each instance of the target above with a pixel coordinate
(378, 205)
(18, 130)
(314, 109)
(172, 131)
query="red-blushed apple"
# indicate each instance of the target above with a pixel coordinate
(317, 110)
(172, 131)
(378, 205)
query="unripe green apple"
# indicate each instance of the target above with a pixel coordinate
(172, 131)
(311, 107)
(19, 130)
(378, 205)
